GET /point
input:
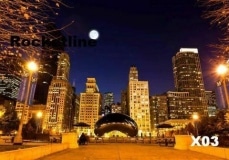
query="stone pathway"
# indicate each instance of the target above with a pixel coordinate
(127, 151)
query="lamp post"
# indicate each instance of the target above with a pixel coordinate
(195, 117)
(222, 70)
(32, 67)
(39, 115)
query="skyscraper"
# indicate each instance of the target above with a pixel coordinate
(108, 100)
(48, 64)
(188, 78)
(158, 109)
(59, 102)
(10, 73)
(180, 105)
(124, 102)
(90, 105)
(211, 103)
(138, 102)
(133, 74)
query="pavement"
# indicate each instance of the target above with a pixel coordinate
(126, 151)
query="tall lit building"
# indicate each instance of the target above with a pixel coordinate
(59, 101)
(48, 63)
(158, 109)
(108, 100)
(77, 108)
(138, 102)
(10, 73)
(9, 85)
(180, 105)
(211, 102)
(116, 108)
(188, 78)
(133, 74)
(90, 105)
(124, 102)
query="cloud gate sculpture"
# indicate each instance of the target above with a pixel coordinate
(116, 121)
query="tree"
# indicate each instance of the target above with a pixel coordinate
(28, 20)
(29, 130)
(190, 128)
(217, 11)
(208, 126)
(10, 121)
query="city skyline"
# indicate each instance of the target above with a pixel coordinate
(147, 35)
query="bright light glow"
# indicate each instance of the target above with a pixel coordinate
(222, 69)
(194, 50)
(195, 116)
(32, 66)
(94, 34)
(1, 113)
(39, 114)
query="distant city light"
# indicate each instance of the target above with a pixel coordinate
(94, 34)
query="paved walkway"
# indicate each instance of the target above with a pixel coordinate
(123, 151)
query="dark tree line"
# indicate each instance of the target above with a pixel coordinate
(9, 123)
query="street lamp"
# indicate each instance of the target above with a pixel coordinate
(195, 117)
(32, 67)
(222, 70)
(39, 115)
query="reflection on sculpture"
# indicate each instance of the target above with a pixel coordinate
(116, 121)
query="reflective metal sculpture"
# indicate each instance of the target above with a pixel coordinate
(116, 121)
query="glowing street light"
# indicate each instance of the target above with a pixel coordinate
(32, 67)
(195, 117)
(222, 71)
(39, 115)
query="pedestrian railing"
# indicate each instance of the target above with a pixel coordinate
(168, 141)
(122, 140)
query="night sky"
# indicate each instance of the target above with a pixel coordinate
(144, 33)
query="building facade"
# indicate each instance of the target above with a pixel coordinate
(59, 102)
(211, 102)
(108, 101)
(48, 61)
(124, 102)
(116, 108)
(90, 105)
(158, 109)
(11, 69)
(180, 105)
(138, 102)
(188, 78)
(77, 108)
(108, 98)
